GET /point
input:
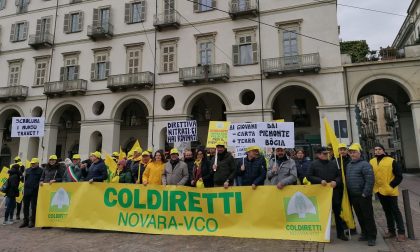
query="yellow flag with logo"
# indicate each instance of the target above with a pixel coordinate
(110, 163)
(136, 146)
(4, 175)
(346, 211)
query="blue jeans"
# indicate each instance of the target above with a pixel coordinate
(10, 207)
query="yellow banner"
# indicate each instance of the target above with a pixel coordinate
(218, 131)
(294, 213)
(4, 175)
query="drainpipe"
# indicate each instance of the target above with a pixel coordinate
(261, 70)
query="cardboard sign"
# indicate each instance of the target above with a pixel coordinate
(28, 126)
(182, 131)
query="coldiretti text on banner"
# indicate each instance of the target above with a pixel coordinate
(294, 213)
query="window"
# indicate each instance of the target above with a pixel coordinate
(19, 31)
(22, 6)
(101, 19)
(245, 52)
(134, 59)
(41, 71)
(73, 22)
(290, 46)
(168, 57)
(104, 17)
(2, 4)
(204, 5)
(135, 12)
(340, 129)
(100, 69)
(70, 71)
(43, 27)
(14, 73)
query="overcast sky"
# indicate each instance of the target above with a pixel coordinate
(376, 28)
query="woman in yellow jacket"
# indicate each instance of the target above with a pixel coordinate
(153, 173)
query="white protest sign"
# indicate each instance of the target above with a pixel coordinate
(181, 131)
(240, 152)
(28, 126)
(263, 134)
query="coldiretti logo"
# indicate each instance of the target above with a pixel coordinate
(300, 208)
(60, 201)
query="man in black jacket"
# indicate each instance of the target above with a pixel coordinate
(30, 194)
(224, 168)
(97, 171)
(189, 160)
(53, 172)
(323, 171)
(254, 169)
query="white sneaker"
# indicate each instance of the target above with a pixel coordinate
(5, 223)
(10, 222)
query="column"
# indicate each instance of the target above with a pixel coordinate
(415, 109)
(355, 137)
(408, 141)
(24, 148)
(50, 142)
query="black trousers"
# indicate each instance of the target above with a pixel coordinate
(392, 213)
(364, 212)
(336, 206)
(29, 201)
(18, 209)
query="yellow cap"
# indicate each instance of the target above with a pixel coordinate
(76, 156)
(145, 153)
(150, 150)
(17, 158)
(115, 154)
(355, 147)
(34, 161)
(139, 150)
(358, 145)
(174, 151)
(251, 148)
(220, 143)
(342, 145)
(96, 154)
(53, 157)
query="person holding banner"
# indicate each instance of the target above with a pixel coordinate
(53, 171)
(73, 171)
(122, 174)
(18, 161)
(12, 191)
(224, 168)
(176, 170)
(202, 170)
(134, 165)
(281, 169)
(324, 171)
(302, 165)
(360, 181)
(153, 173)
(32, 177)
(253, 168)
(97, 172)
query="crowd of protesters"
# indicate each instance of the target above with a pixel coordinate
(216, 167)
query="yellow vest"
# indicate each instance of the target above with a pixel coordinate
(383, 176)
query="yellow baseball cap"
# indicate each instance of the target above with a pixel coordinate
(34, 161)
(150, 150)
(96, 154)
(17, 158)
(115, 154)
(76, 156)
(145, 153)
(355, 147)
(139, 150)
(342, 145)
(174, 151)
(251, 148)
(53, 157)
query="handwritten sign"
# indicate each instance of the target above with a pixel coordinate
(182, 131)
(28, 126)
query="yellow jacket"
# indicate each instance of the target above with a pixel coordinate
(153, 173)
(383, 176)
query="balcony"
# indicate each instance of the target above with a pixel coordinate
(291, 64)
(166, 21)
(243, 8)
(13, 93)
(206, 73)
(126, 81)
(100, 31)
(41, 41)
(60, 88)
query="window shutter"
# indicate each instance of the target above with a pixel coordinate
(38, 27)
(143, 11)
(47, 25)
(25, 30)
(62, 73)
(196, 6)
(213, 3)
(235, 55)
(81, 19)
(107, 68)
(17, 2)
(93, 71)
(254, 52)
(13, 33)
(76, 72)
(67, 23)
(2, 4)
(95, 22)
(127, 13)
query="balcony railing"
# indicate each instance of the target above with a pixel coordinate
(134, 80)
(58, 88)
(42, 40)
(298, 63)
(167, 21)
(240, 8)
(100, 31)
(13, 93)
(204, 73)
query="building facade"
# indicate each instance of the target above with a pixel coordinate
(409, 33)
(104, 73)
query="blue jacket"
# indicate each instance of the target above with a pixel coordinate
(32, 178)
(255, 171)
(97, 171)
(360, 178)
(302, 167)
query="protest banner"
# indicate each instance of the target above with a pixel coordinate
(28, 126)
(217, 132)
(294, 213)
(240, 152)
(263, 134)
(181, 131)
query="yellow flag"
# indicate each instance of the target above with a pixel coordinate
(28, 164)
(136, 146)
(112, 166)
(4, 175)
(279, 120)
(20, 198)
(346, 212)
(122, 154)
